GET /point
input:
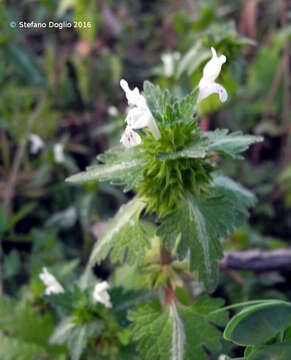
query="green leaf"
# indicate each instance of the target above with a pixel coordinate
(123, 300)
(25, 64)
(177, 332)
(196, 149)
(198, 327)
(63, 301)
(280, 351)
(22, 321)
(199, 224)
(259, 323)
(241, 198)
(155, 100)
(124, 235)
(63, 331)
(152, 330)
(193, 59)
(15, 349)
(121, 167)
(3, 222)
(12, 265)
(230, 144)
(186, 107)
(189, 225)
(24, 211)
(78, 341)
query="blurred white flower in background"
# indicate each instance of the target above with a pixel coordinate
(139, 116)
(59, 156)
(112, 110)
(222, 357)
(169, 60)
(101, 295)
(207, 84)
(36, 143)
(52, 285)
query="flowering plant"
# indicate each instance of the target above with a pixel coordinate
(169, 233)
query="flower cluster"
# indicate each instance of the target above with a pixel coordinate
(139, 115)
(100, 294)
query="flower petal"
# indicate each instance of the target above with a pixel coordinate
(133, 96)
(209, 88)
(101, 295)
(52, 285)
(138, 117)
(130, 138)
(213, 67)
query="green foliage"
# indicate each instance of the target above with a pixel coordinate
(280, 351)
(26, 332)
(170, 171)
(177, 331)
(152, 329)
(199, 224)
(230, 144)
(77, 341)
(59, 85)
(25, 64)
(15, 349)
(121, 167)
(258, 324)
(124, 235)
(25, 323)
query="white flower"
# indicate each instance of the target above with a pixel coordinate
(52, 285)
(101, 295)
(207, 84)
(112, 110)
(169, 60)
(222, 357)
(36, 143)
(139, 116)
(130, 138)
(59, 153)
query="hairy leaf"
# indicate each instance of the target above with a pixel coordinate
(78, 340)
(193, 59)
(186, 107)
(197, 321)
(23, 322)
(121, 167)
(124, 235)
(155, 100)
(198, 225)
(230, 144)
(16, 349)
(152, 330)
(177, 332)
(196, 149)
(63, 331)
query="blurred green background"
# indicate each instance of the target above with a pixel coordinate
(61, 105)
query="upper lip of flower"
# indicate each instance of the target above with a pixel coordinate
(100, 294)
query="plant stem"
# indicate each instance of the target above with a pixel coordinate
(165, 256)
